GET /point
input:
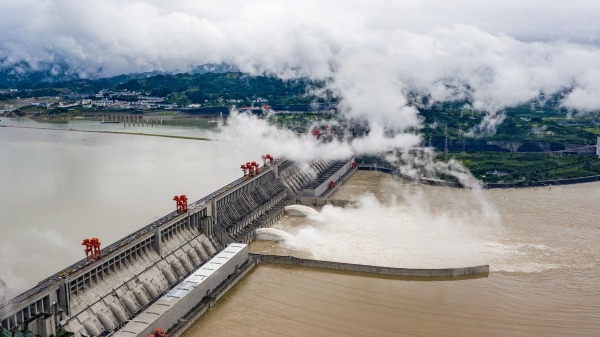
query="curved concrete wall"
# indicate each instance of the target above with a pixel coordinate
(444, 272)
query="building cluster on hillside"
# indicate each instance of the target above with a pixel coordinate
(104, 99)
(126, 100)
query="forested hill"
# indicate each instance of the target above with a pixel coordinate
(218, 89)
(207, 88)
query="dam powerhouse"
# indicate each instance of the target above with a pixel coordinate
(159, 279)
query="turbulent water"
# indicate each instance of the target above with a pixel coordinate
(272, 234)
(300, 210)
(541, 245)
(405, 225)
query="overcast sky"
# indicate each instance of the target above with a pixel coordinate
(504, 52)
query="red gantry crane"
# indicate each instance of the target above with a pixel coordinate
(92, 249)
(182, 203)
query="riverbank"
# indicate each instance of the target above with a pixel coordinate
(108, 132)
(517, 184)
(495, 170)
(97, 115)
(542, 183)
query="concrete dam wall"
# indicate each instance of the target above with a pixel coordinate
(172, 306)
(406, 272)
(92, 298)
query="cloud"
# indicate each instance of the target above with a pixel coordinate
(371, 53)
(252, 133)
(586, 94)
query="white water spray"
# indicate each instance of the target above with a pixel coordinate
(300, 211)
(272, 234)
(411, 229)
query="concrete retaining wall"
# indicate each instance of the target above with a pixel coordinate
(340, 180)
(444, 272)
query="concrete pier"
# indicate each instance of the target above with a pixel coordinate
(481, 271)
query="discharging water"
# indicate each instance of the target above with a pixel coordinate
(541, 244)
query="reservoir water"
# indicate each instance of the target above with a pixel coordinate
(59, 187)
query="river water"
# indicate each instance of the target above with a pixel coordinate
(542, 245)
(59, 187)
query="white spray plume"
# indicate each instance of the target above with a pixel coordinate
(255, 133)
(299, 210)
(402, 232)
(422, 163)
(16, 266)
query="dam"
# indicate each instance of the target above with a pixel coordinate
(141, 270)
(168, 273)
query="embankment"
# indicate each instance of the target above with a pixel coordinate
(482, 270)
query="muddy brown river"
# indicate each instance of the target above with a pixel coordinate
(542, 245)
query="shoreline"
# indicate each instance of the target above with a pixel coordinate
(488, 186)
(108, 132)
(363, 167)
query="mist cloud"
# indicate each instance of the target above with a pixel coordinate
(252, 133)
(500, 54)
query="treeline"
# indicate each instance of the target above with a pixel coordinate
(512, 167)
(212, 89)
(549, 122)
(518, 169)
